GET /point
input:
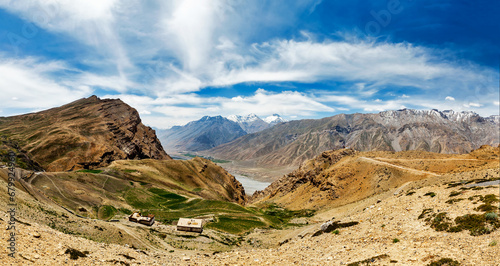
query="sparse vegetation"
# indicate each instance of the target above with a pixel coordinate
(336, 232)
(369, 261)
(395, 240)
(430, 194)
(451, 201)
(75, 254)
(106, 212)
(130, 170)
(476, 224)
(89, 171)
(125, 211)
(493, 243)
(454, 193)
(444, 261)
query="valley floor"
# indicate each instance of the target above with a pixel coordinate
(389, 232)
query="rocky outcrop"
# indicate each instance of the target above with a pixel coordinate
(343, 176)
(311, 173)
(87, 133)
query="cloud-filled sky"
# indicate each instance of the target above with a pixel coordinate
(176, 61)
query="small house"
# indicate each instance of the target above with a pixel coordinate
(136, 217)
(190, 225)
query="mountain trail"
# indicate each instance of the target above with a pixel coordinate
(415, 171)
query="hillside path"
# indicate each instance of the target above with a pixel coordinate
(415, 171)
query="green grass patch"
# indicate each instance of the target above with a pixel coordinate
(106, 212)
(235, 225)
(129, 171)
(125, 211)
(90, 171)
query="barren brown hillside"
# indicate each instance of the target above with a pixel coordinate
(344, 176)
(87, 133)
(418, 223)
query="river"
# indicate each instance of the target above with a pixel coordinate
(251, 185)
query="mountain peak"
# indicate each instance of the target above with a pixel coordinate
(274, 119)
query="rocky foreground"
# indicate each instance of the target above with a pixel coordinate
(389, 231)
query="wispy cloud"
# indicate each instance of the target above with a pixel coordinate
(25, 82)
(159, 56)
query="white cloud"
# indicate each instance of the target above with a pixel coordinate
(92, 22)
(472, 105)
(496, 103)
(182, 108)
(449, 98)
(29, 84)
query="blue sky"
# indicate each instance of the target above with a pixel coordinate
(176, 61)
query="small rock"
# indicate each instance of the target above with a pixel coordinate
(36, 235)
(186, 258)
(37, 256)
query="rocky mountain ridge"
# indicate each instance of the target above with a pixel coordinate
(345, 176)
(212, 131)
(293, 142)
(203, 134)
(87, 133)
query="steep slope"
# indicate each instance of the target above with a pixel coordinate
(203, 134)
(133, 184)
(294, 142)
(250, 123)
(87, 133)
(344, 176)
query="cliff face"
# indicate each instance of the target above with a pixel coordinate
(87, 133)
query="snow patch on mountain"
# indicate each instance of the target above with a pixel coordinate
(274, 119)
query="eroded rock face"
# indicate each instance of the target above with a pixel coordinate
(87, 133)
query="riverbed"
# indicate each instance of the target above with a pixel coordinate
(251, 185)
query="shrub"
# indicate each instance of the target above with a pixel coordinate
(430, 194)
(454, 193)
(336, 232)
(491, 216)
(395, 240)
(444, 261)
(493, 243)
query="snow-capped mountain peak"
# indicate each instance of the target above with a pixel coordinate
(274, 119)
(243, 119)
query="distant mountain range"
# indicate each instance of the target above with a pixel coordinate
(294, 142)
(212, 131)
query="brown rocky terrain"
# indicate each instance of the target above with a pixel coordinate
(390, 228)
(87, 133)
(344, 176)
(294, 142)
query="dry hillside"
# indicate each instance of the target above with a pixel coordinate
(344, 176)
(87, 133)
(439, 218)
